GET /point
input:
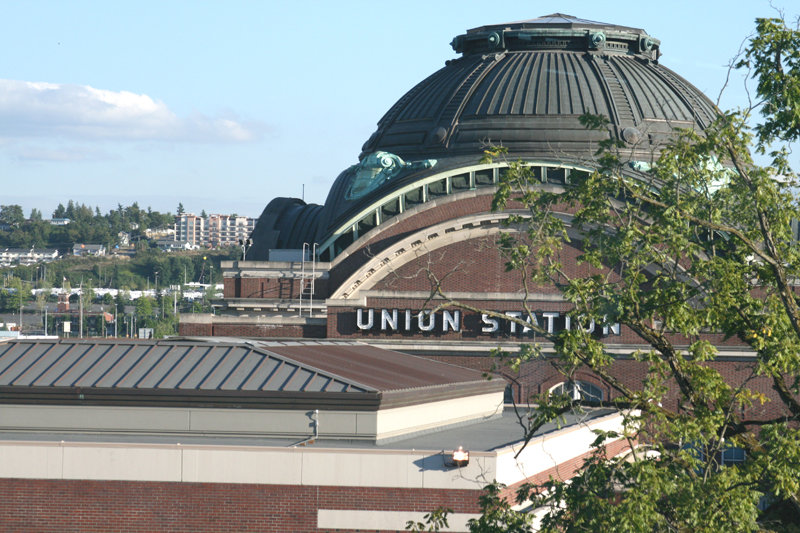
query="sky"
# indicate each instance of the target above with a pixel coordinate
(223, 106)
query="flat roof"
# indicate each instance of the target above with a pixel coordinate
(484, 435)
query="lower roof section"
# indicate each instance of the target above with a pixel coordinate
(232, 387)
(414, 462)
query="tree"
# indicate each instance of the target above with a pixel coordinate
(698, 248)
(11, 215)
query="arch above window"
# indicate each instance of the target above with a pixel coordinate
(579, 391)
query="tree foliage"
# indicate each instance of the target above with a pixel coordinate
(87, 225)
(695, 251)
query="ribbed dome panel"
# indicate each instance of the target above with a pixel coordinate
(548, 83)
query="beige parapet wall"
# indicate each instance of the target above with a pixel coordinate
(352, 467)
(361, 425)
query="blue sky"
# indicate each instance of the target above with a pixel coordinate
(223, 106)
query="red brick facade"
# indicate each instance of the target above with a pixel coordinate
(31, 505)
(279, 288)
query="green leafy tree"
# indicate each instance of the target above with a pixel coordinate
(697, 249)
(11, 215)
(145, 308)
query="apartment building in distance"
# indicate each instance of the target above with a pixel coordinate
(212, 231)
(27, 256)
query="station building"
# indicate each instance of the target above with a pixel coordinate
(415, 212)
(321, 396)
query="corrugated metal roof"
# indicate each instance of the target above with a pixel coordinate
(375, 367)
(158, 365)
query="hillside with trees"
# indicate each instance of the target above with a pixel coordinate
(86, 225)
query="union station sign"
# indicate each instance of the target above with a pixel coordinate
(406, 320)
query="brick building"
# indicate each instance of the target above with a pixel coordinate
(417, 207)
(101, 435)
(204, 433)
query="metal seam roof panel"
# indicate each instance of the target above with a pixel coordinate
(174, 367)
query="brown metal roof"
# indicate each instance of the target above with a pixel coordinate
(233, 373)
(381, 369)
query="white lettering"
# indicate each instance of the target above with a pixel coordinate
(531, 319)
(421, 321)
(360, 319)
(551, 319)
(491, 324)
(513, 314)
(590, 327)
(388, 319)
(451, 321)
(396, 320)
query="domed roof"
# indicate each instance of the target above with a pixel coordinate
(523, 85)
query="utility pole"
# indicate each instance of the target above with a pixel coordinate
(157, 298)
(80, 307)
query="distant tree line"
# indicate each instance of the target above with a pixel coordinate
(86, 225)
(147, 268)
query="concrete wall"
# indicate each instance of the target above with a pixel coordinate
(360, 425)
(162, 420)
(426, 417)
(242, 464)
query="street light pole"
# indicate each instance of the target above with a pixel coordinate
(157, 299)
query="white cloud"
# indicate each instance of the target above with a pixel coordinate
(81, 112)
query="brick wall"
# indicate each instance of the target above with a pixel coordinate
(190, 329)
(270, 287)
(133, 506)
(269, 330)
(536, 377)
(431, 214)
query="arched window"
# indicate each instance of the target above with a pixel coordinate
(579, 391)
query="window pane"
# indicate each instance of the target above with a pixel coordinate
(413, 197)
(390, 209)
(437, 188)
(556, 175)
(484, 178)
(366, 224)
(460, 182)
(342, 242)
